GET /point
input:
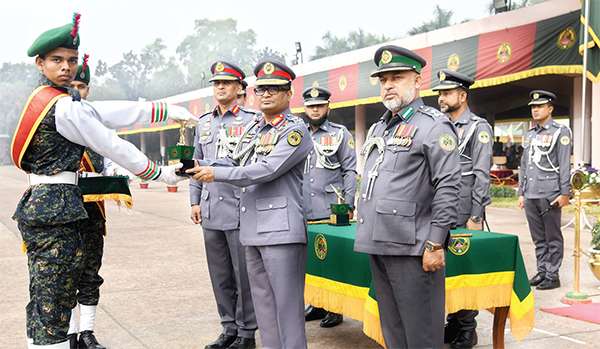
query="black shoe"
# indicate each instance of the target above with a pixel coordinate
(72, 341)
(311, 313)
(87, 340)
(450, 332)
(536, 280)
(465, 340)
(244, 343)
(224, 341)
(332, 320)
(548, 284)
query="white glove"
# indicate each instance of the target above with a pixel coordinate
(168, 176)
(182, 115)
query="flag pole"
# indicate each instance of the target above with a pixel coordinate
(583, 89)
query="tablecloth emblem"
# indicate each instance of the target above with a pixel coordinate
(321, 246)
(460, 246)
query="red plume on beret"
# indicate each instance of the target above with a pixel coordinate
(85, 61)
(76, 19)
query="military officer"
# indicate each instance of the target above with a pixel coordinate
(241, 97)
(48, 144)
(216, 207)
(410, 179)
(272, 219)
(92, 235)
(332, 162)
(544, 187)
(475, 147)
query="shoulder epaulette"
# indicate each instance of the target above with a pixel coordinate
(248, 110)
(294, 118)
(434, 113)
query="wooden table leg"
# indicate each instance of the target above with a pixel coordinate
(500, 315)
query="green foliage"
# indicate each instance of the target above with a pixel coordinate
(503, 191)
(442, 18)
(354, 41)
(596, 236)
(514, 5)
(18, 80)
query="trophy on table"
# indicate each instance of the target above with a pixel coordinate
(182, 153)
(339, 212)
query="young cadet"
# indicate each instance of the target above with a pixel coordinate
(545, 187)
(216, 207)
(272, 219)
(92, 232)
(331, 162)
(49, 142)
(475, 148)
(410, 182)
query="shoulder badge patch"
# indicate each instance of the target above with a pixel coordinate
(460, 246)
(484, 137)
(447, 142)
(294, 138)
(351, 143)
(564, 140)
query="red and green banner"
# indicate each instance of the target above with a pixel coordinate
(593, 40)
(550, 46)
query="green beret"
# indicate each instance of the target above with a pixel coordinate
(83, 71)
(65, 36)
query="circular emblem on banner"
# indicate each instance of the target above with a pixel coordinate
(536, 95)
(504, 52)
(294, 138)
(220, 67)
(195, 110)
(314, 93)
(564, 140)
(269, 68)
(251, 100)
(373, 79)
(351, 143)
(460, 246)
(186, 153)
(577, 180)
(315, 83)
(447, 142)
(342, 83)
(207, 107)
(442, 76)
(484, 137)
(566, 38)
(453, 62)
(386, 57)
(320, 246)
(174, 153)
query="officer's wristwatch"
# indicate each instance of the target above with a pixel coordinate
(430, 246)
(476, 219)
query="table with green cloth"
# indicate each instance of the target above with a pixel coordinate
(483, 271)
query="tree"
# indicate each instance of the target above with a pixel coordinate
(18, 80)
(355, 40)
(213, 40)
(514, 5)
(442, 19)
(267, 53)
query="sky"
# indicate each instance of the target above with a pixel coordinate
(110, 28)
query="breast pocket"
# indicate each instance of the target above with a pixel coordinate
(548, 182)
(395, 221)
(400, 156)
(205, 204)
(272, 214)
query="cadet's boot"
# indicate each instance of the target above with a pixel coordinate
(87, 340)
(87, 317)
(72, 337)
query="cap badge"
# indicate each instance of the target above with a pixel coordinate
(386, 57)
(442, 76)
(220, 67)
(536, 95)
(82, 75)
(314, 93)
(269, 68)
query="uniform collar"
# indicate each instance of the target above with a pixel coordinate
(464, 118)
(324, 126)
(545, 126)
(406, 113)
(235, 109)
(276, 120)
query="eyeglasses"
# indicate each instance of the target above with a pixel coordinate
(273, 90)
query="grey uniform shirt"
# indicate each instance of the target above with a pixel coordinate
(475, 148)
(546, 161)
(317, 191)
(272, 211)
(219, 202)
(414, 196)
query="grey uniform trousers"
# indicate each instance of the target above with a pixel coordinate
(277, 275)
(226, 258)
(547, 236)
(411, 301)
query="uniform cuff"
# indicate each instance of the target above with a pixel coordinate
(520, 191)
(220, 174)
(194, 199)
(477, 210)
(565, 191)
(438, 235)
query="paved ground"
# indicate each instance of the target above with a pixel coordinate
(157, 292)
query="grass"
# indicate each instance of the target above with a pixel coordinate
(512, 203)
